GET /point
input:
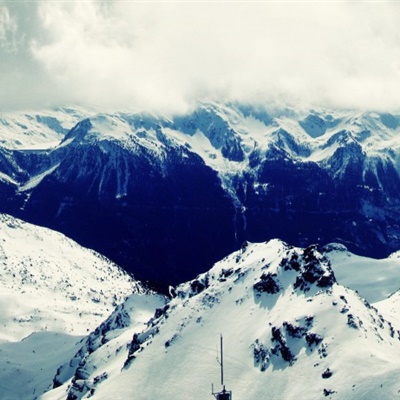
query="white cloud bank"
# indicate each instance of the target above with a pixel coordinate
(165, 55)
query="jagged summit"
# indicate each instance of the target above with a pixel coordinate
(290, 331)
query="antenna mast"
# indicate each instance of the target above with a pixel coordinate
(222, 361)
(224, 394)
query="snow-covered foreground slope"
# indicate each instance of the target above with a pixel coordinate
(27, 367)
(290, 330)
(52, 292)
(50, 283)
(104, 351)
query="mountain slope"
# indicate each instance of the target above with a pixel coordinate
(52, 292)
(375, 280)
(289, 330)
(102, 352)
(49, 282)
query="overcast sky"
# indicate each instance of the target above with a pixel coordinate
(163, 56)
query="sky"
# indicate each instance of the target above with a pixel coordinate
(164, 56)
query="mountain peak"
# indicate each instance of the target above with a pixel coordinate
(79, 131)
(284, 319)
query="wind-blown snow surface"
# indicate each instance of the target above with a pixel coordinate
(378, 281)
(290, 330)
(374, 279)
(52, 292)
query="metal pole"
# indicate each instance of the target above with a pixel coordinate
(222, 362)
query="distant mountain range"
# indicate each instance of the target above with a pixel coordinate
(166, 197)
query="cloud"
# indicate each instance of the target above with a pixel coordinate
(164, 56)
(8, 28)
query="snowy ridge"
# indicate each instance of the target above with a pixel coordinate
(85, 371)
(48, 282)
(290, 330)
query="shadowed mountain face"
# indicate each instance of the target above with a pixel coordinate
(165, 198)
(145, 216)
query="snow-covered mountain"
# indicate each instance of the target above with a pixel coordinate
(167, 188)
(32, 129)
(52, 292)
(290, 331)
